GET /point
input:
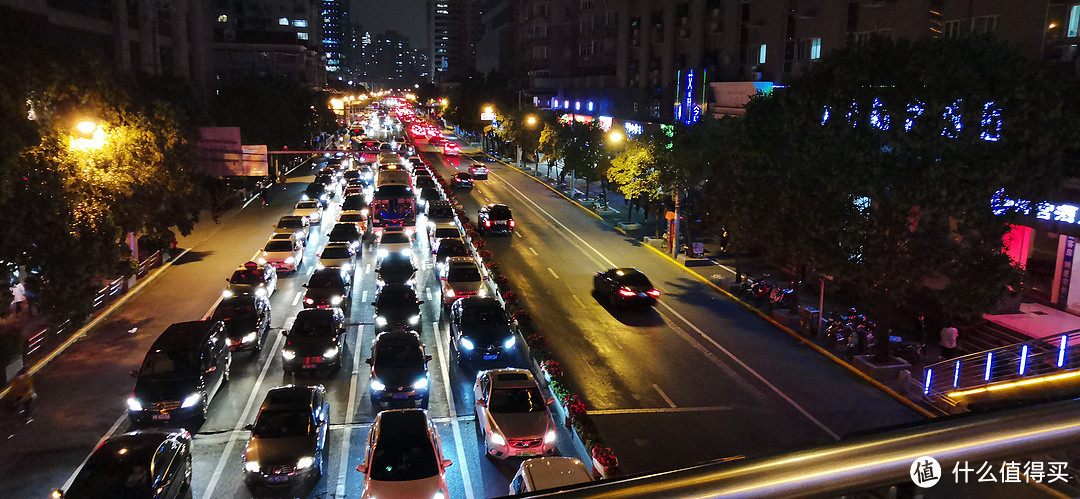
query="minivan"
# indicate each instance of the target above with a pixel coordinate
(543, 473)
(183, 371)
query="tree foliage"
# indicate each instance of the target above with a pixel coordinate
(274, 111)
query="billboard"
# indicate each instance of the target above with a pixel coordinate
(220, 154)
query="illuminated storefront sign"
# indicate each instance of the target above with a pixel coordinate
(633, 128)
(687, 109)
(1064, 213)
(605, 122)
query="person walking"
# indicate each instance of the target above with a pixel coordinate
(949, 335)
(18, 297)
(23, 394)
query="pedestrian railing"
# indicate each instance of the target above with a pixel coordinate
(1037, 367)
(149, 263)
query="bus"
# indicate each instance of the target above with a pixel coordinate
(393, 206)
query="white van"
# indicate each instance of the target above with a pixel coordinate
(548, 473)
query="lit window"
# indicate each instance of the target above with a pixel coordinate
(299, 23)
(223, 18)
(815, 48)
(1074, 20)
(761, 54)
(284, 21)
(301, 36)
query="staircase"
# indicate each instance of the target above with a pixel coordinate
(986, 335)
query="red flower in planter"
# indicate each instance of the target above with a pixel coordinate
(492, 266)
(510, 298)
(575, 407)
(484, 254)
(501, 280)
(604, 456)
(536, 341)
(553, 368)
(478, 243)
(522, 316)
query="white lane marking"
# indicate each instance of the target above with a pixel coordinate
(578, 300)
(343, 454)
(299, 295)
(363, 296)
(755, 373)
(553, 274)
(427, 292)
(310, 270)
(367, 269)
(518, 233)
(458, 442)
(225, 456)
(742, 381)
(660, 410)
(687, 322)
(664, 395)
(533, 251)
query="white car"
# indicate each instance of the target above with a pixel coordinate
(341, 255)
(312, 210)
(394, 240)
(440, 231)
(283, 254)
(540, 473)
(512, 414)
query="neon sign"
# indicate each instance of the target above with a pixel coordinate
(633, 128)
(1064, 213)
(990, 122)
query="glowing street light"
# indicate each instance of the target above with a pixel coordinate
(86, 127)
(531, 120)
(88, 136)
(615, 137)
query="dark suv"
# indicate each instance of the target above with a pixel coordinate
(316, 340)
(288, 439)
(346, 232)
(398, 369)
(396, 308)
(247, 321)
(495, 218)
(137, 464)
(328, 287)
(396, 268)
(480, 330)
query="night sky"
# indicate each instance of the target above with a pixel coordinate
(408, 17)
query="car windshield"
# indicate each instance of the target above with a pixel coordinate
(459, 273)
(168, 364)
(307, 205)
(313, 325)
(279, 424)
(278, 245)
(396, 265)
(354, 202)
(228, 311)
(441, 212)
(343, 231)
(326, 280)
(394, 237)
(463, 176)
(513, 400)
(398, 461)
(352, 217)
(424, 182)
(499, 212)
(396, 297)
(246, 276)
(107, 475)
(398, 355)
(336, 252)
(291, 223)
(635, 279)
(446, 232)
(484, 314)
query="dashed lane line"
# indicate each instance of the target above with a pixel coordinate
(458, 441)
(343, 454)
(664, 395)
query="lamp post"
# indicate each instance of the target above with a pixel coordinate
(88, 135)
(530, 121)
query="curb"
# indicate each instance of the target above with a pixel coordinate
(877, 384)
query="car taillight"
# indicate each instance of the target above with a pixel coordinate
(512, 223)
(627, 292)
(487, 223)
(309, 301)
(655, 293)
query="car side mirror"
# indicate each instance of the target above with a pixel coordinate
(481, 403)
(249, 426)
(421, 302)
(372, 304)
(304, 285)
(134, 373)
(427, 357)
(362, 468)
(367, 361)
(227, 279)
(446, 463)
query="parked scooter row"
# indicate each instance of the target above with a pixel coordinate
(763, 291)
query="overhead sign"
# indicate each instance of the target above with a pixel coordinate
(254, 161)
(487, 116)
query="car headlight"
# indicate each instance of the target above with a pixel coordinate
(383, 252)
(226, 293)
(550, 437)
(466, 343)
(252, 466)
(414, 320)
(309, 301)
(406, 251)
(330, 352)
(380, 283)
(510, 342)
(261, 260)
(482, 292)
(410, 232)
(438, 495)
(411, 281)
(191, 400)
(261, 291)
(364, 212)
(250, 337)
(497, 438)
(336, 300)
(134, 404)
(450, 293)
(304, 197)
(346, 267)
(319, 266)
(288, 354)
(305, 462)
(290, 260)
(377, 385)
(420, 384)
(380, 320)
(228, 342)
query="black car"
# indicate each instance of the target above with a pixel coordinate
(398, 369)
(421, 171)
(423, 182)
(625, 287)
(349, 233)
(480, 330)
(316, 340)
(461, 180)
(150, 463)
(288, 439)
(396, 308)
(495, 218)
(355, 202)
(328, 287)
(247, 321)
(396, 268)
(351, 175)
(428, 195)
(316, 191)
(448, 247)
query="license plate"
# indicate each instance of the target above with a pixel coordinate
(400, 396)
(309, 366)
(527, 453)
(277, 478)
(491, 356)
(160, 417)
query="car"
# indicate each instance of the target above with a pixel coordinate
(425, 182)
(428, 195)
(328, 287)
(437, 140)
(415, 161)
(347, 232)
(252, 278)
(542, 473)
(247, 321)
(393, 240)
(183, 370)
(353, 217)
(495, 217)
(448, 247)
(341, 255)
(399, 369)
(312, 210)
(396, 268)
(396, 308)
(480, 330)
(451, 149)
(293, 224)
(460, 277)
(625, 286)
(350, 175)
(439, 211)
(461, 180)
(146, 463)
(282, 254)
(421, 171)
(478, 171)
(354, 190)
(287, 445)
(439, 231)
(403, 457)
(316, 191)
(329, 178)
(316, 339)
(355, 203)
(512, 415)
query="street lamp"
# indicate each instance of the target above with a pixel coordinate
(88, 136)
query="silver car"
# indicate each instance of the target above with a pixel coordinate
(512, 414)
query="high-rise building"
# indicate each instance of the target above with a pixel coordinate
(301, 19)
(391, 62)
(456, 28)
(334, 40)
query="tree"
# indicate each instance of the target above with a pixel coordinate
(552, 145)
(583, 149)
(274, 111)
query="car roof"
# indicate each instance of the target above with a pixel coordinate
(289, 396)
(461, 260)
(511, 378)
(548, 472)
(336, 245)
(619, 272)
(405, 424)
(445, 225)
(398, 338)
(139, 445)
(290, 217)
(316, 311)
(491, 206)
(395, 288)
(184, 335)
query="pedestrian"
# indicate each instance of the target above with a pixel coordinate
(920, 329)
(948, 341)
(852, 345)
(18, 297)
(23, 394)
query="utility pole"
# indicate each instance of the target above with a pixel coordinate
(675, 225)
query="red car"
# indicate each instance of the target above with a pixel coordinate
(451, 149)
